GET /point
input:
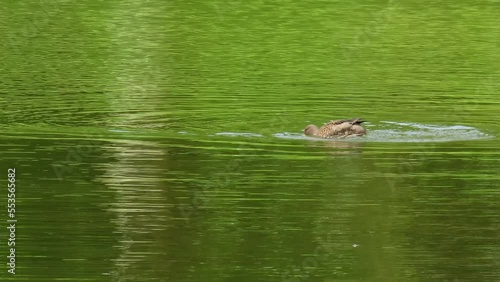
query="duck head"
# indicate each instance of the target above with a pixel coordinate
(311, 130)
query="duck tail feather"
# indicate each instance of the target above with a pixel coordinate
(357, 121)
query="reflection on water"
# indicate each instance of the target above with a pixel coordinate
(139, 204)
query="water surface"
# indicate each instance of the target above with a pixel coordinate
(161, 141)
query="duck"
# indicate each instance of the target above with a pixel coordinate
(341, 128)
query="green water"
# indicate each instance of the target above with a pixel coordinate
(161, 140)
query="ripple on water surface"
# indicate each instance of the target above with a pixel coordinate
(390, 131)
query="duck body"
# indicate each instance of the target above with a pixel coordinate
(341, 128)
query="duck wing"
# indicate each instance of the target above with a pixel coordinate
(341, 127)
(350, 121)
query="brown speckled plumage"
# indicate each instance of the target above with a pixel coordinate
(337, 129)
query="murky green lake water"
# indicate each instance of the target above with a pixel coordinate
(161, 140)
